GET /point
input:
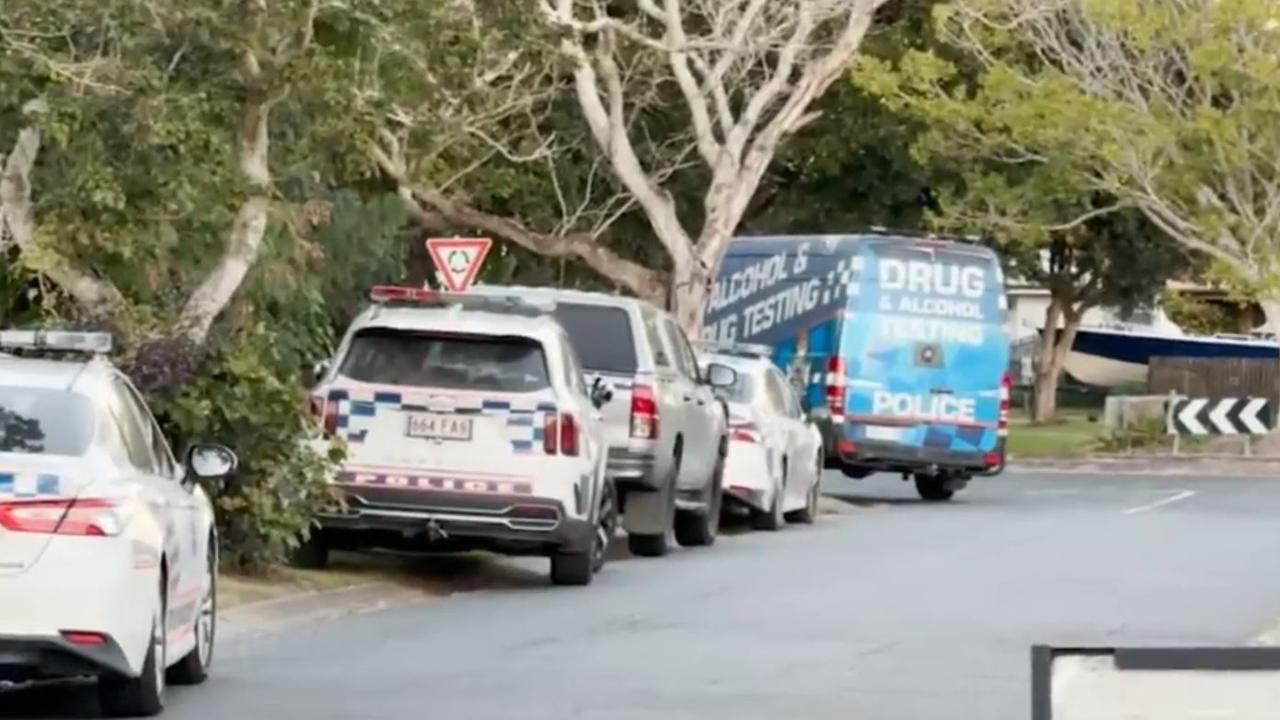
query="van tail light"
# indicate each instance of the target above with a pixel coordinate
(1006, 393)
(644, 413)
(102, 517)
(835, 385)
(560, 435)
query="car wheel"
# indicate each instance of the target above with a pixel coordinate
(142, 696)
(606, 525)
(772, 519)
(194, 668)
(933, 488)
(809, 513)
(699, 528)
(312, 553)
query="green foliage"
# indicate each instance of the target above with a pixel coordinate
(1196, 316)
(238, 398)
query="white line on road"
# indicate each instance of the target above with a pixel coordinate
(1160, 503)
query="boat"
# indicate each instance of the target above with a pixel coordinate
(1113, 355)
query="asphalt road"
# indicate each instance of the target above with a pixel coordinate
(896, 609)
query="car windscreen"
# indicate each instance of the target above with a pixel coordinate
(456, 362)
(44, 421)
(601, 336)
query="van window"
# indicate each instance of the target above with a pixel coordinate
(601, 335)
(399, 357)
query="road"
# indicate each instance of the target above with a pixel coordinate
(896, 609)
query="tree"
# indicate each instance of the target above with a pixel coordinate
(1173, 105)
(1005, 166)
(747, 72)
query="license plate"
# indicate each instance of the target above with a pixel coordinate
(883, 433)
(439, 427)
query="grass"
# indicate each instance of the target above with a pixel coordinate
(1071, 433)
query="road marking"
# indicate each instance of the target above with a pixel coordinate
(1161, 503)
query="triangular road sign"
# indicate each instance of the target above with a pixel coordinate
(458, 260)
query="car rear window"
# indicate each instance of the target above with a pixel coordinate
(44, 422)
(601, 336)
(456, 362)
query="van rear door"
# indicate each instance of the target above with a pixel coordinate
(926, 348)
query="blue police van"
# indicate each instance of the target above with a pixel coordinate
(896, 342)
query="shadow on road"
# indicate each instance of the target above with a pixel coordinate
(873, 501)
(51, 700)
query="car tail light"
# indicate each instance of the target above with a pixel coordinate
(991, 459)
(80, 637)
(104, 517)
(747, 432)
(1006, 392)
(560, 434)
(835, 385)
(644, 413)
(846, 447)
(329, 415)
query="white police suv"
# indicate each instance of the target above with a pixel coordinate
(468, 425)
(108, 553)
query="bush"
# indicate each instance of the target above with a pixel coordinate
(238, 396)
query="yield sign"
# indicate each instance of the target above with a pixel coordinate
(458, 260)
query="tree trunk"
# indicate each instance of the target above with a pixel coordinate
(244, 240)
(1052, 355)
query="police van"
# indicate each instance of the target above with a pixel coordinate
(896, 342)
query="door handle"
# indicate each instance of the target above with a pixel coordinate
(688, 398)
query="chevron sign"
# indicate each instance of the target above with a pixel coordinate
(1219, 416)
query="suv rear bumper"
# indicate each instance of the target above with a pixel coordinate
(26, 658)
(634, 465)
(456, 522)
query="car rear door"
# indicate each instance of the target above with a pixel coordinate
(432, 411)
(927, 354)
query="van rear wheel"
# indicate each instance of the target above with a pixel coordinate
(934, 488)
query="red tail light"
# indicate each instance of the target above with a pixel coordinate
(1006, 392)
(329, 415)
(835, 385)
(560, 434)
(78, 637)
(550, 434)
(747, 432)
(568, 435)
(644, 413)
(103, 517)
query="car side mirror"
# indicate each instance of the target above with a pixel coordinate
(319, 370)
(721, 376)
(209, 461)
(601, 393)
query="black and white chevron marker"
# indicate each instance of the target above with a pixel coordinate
(1219, 416)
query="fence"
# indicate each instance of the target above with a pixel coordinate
(1214, 377)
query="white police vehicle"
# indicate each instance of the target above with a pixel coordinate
(468, 425)
(108, 553)
(774, 468)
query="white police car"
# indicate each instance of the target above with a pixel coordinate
(468, 425)
(774, 468)
(108, 553)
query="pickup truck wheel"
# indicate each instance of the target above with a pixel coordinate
(699, 528)
(933, 488)
(606, 526)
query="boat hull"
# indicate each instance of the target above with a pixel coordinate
(1116, 358)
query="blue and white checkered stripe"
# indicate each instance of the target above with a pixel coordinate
(30, 485)
(524, 418)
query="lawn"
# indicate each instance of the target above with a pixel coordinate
(1071, 433)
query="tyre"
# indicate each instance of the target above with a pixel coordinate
(699, 528)
(606, 525)
(658, 544)
(933, 488)
(809, 513)
(142, 696)
(772, 519)
(194, 668)
(572, 568)
(312, 553)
